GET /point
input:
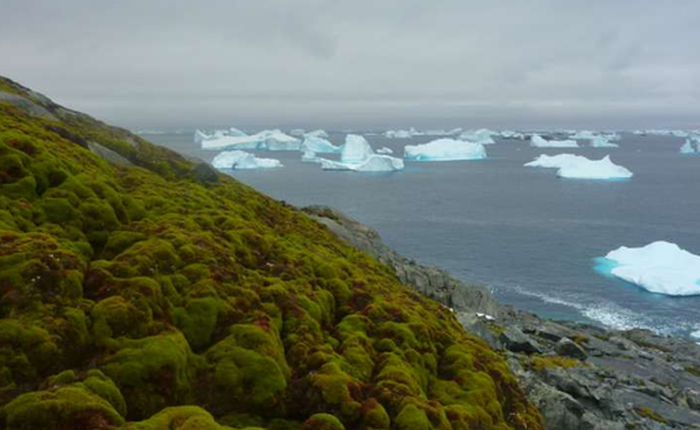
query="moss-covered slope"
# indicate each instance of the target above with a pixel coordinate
(139, 297)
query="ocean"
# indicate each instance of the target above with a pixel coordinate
(527, 235)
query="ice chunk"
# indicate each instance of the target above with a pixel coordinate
(242, 160)
(401, 134)
(297, 132)
(509, 134)
(199, 136)
(445, 150)
(660, 267)
(373, 163)
(687, 148)
(319, 145)
(355, 150)
(309, 157)
(385, 150)
(483, 136)
(583, 135)
(317, 133)
(539, 142)
(578, 167)
(222, 142)
(275, 140)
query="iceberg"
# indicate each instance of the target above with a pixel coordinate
(236, 132)
(539, 142)
(317, 133)
(373, 163)
(483, 136)
(271, 140)
(578, 167)
(445, 150)
(355, 150)
(319, 145)
(297, 132)
(357, 156)
(509, 134)
(385, 150)
(401, 134)
(309, 157)
(660, 267)
(583, 135)
(243, 160)
(687, 148)
(602, 142)
(199, 136)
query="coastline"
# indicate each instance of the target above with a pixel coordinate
(580, 376)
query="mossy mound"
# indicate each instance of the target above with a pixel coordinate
(141, 296)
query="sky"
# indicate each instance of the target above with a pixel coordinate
(371, 64)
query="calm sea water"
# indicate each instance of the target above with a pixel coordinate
(526, 234)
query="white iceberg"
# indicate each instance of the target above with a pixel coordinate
(199, 136)
(583, 135)
(578, 167)
(373, 163)
(539, 142)
(309, 157)
(385, 150)
(236, 132)
(445, 150)
(357, 156)
(402, 134)
(355, 150)
(297, 132)
(271, 140)
(660, 267)
(319, 145)
(243, 160)
(483, 136)
(509, 134)
(687, 148)
(317, 133)
(602, 142)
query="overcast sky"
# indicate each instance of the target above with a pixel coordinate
(361, 63)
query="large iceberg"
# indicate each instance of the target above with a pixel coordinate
(272, 140)
(539, 142)
(243, 160)
(357, 156)
(578, 167)
(445, 150)
(319, 145)
(660, 267)
(355, 150)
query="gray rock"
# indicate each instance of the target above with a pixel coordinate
(568, 348)
(27, 105)
(517, 341)
(205, 173)
(108, 155)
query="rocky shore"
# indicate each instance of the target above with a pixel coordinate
(581, 377)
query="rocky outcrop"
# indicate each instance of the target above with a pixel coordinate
(581, 377)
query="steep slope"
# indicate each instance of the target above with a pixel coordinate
(140, 289)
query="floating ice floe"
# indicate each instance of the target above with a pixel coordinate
(509, 134)
(578, 167)
(317, 133)
(319, 145)
(602, 142)
(271, 140)
(660, 267)
(539, 142)
(240, 160)
(357, 155)
(385, 150)
(445, 150)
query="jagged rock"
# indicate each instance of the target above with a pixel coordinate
(517, 341)
(568, 348)
(32, 108)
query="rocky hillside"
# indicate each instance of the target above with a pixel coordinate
(142, 290)
(581, 377)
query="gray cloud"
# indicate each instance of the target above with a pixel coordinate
(361, 63)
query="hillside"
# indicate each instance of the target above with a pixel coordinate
(139, 289)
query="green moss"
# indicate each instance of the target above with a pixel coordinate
(541, 362)
(179, 418)
(323, 422)
(647, 412)
(412, 418)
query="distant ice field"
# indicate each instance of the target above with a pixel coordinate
(531, 237)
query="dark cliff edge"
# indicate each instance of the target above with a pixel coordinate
(581, 377)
